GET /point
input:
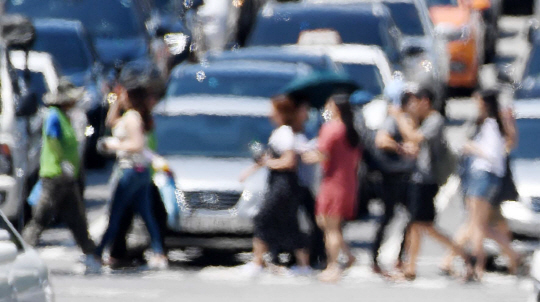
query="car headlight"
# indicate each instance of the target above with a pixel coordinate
(176, 42)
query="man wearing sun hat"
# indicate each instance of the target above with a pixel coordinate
(59, 170)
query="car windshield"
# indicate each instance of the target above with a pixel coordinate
(283, 28)
(37, 84)
(210, 135)
(66, 48)
(528, 133)
(102, 18)
(367, 76)
(406, 17)
(228, 83)
(431, 3)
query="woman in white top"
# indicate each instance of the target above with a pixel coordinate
(276, 226)
(133, 187)
(488, 165)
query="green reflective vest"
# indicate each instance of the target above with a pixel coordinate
(54, 151)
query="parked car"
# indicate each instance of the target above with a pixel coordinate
(286, 24)
(523, 215)
(25, 278)
(116, 27)
(320, 62)
(463, 30)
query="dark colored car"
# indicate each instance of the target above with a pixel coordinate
(277, 54)
(71, 48)
(116, 27)
(525, 73)
(356, 23)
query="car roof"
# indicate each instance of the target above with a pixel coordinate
(246, 66)
(527, 109)
(214, 105)
(274, 53)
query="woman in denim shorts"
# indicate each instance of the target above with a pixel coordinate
(487, 167)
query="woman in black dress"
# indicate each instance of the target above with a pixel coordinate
(276, 225)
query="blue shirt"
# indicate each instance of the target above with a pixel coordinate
(52, 125)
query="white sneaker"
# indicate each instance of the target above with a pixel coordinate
(158, 263)
(251, 270)
(93, 264)
(302, 271)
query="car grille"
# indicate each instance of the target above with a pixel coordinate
(535, 202)
(211, 200)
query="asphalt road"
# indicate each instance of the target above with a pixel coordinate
(193, 276)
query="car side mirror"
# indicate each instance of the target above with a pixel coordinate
(8, 252)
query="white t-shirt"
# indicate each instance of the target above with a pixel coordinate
(491, 141)
(282, 139)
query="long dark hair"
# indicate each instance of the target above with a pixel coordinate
(347, 116)
(491, 101)
(138, 101)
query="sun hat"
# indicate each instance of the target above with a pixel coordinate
(67, 93)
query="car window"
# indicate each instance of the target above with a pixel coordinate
(233, 83)
(406, 17)
(66, 48)
(7, 234)
(210, 135)
(281, 28)
(101, 18)
(528, 133)
(431, 3)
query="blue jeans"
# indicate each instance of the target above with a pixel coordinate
(132, 190)
(483, 184)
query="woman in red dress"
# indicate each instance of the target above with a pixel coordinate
(339, 154)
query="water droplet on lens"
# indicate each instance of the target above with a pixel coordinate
(201, 76)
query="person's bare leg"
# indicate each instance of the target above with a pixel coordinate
(259, 249)
(415, 237)
(480, 231)
(302, 257)
(504, 242)
(334, 243)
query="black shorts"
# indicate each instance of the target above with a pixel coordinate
(422, 202)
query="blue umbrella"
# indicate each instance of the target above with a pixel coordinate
(318, 86)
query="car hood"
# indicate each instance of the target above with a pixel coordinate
(79, 78)
(529, 88)
(112, 50)
(214, 174)
(525, 174)
(448, 14)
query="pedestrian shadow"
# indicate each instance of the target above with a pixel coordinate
(207, 259)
